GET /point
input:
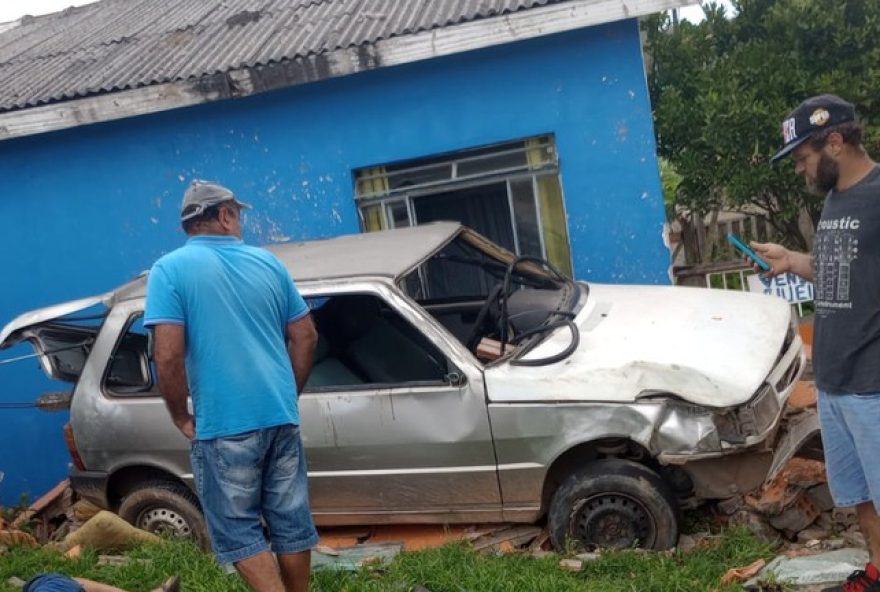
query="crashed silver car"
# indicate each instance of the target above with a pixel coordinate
(457, 382)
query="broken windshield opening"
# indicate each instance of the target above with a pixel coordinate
(491, 300)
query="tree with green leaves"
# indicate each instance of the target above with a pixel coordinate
(721, 88)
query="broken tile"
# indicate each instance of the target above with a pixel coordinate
(741, 574)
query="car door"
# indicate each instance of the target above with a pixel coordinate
(394, 416)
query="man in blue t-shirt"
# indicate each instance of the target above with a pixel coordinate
(233, 333)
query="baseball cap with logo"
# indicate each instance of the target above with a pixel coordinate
(201, 195)
(811, 116)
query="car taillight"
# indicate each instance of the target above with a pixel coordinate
(71, 448)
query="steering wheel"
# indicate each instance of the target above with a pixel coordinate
(476, 332)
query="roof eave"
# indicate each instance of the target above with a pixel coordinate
(395, 51)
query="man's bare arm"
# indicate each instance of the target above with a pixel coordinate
(783, 260)
(302, 339)
(169, 354)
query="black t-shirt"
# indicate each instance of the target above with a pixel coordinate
(846, 260)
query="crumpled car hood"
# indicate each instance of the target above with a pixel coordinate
(709, 347)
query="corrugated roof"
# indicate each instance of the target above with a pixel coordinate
(120, 44)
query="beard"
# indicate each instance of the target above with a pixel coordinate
(827, 175)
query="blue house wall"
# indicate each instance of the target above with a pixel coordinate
(85, 209)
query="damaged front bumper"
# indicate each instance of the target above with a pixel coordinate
(734, 451)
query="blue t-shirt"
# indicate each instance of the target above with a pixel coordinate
(235, 302)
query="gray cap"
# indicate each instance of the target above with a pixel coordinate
(201, 195)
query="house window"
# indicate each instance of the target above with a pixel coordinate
(509, 193)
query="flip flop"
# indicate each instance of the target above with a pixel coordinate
(172, 584)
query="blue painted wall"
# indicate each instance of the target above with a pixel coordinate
(85, 209)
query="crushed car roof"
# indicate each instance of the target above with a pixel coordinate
(391, 253)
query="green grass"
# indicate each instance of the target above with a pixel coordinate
(452, 568)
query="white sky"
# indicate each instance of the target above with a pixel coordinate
(13, 9)
(695, 14)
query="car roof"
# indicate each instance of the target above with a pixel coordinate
(390, 253)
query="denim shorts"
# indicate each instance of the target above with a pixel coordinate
(52, 582)
(851, 438)
(245, 477)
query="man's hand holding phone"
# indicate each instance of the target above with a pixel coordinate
(768, 259)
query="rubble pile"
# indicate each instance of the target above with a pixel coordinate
(795, 508)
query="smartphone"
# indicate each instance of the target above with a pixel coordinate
(747, 251)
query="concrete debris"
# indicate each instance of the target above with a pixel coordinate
(355, 557)
(824, 568)
(758, 525)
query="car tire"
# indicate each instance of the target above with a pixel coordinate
(613, 504)
(165, 507)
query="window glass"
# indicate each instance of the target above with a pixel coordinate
(510, 193)
(528, 234)
(398, 214)
(131, 371)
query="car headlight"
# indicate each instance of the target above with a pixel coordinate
(751, 419)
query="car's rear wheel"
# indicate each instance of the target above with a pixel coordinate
(165, 508)
(613, 504)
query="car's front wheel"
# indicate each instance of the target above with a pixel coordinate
(613, 504)
(164, 507)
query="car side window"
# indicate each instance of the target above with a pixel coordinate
(362, 341)
(130, 370)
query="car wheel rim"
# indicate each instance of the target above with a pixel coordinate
(612, 521)
(164, 521)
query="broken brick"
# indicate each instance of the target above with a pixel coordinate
(796, 517)
(787, 486)
(741, 574)
(803, 396)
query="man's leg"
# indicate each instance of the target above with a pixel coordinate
(286, 508)
(260, 572)
(869, 523)
(295, 569)
(851, 440)
(228, 474)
